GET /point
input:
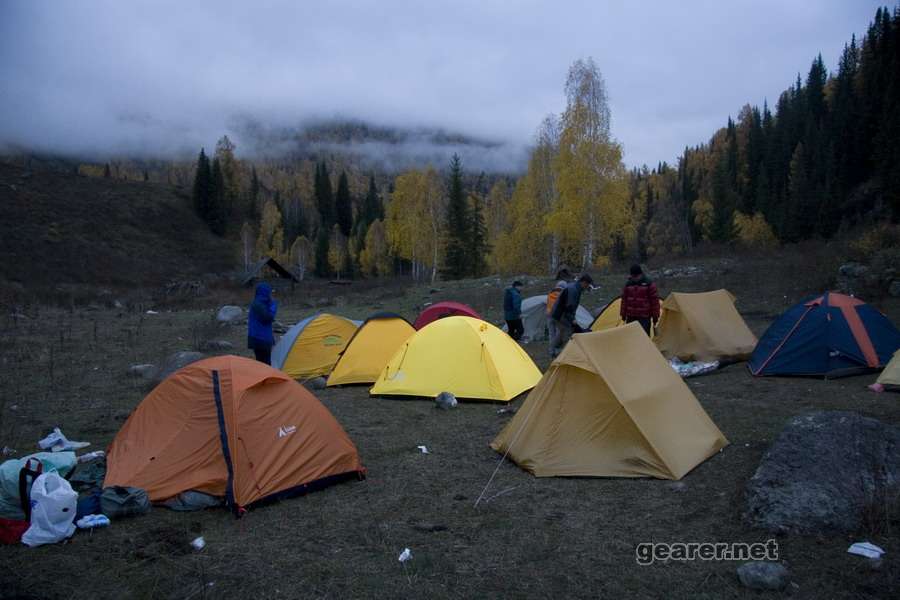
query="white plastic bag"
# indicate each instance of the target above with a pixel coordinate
(52, 510)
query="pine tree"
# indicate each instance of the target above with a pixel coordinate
(324, 197)
(106, 172)
(372, 207)
(253, 199)
(322, 267)
(479, 247)
(202, 186)
(216, 216)
(456, 255)
(343, 206)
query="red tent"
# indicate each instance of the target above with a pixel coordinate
(444, 309)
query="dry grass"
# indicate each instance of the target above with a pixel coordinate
(531, 538)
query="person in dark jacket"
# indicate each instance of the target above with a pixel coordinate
(564, 311)
(259, 323)
(512, 310)
(640, 300)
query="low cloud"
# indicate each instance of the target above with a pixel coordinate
(160, 79)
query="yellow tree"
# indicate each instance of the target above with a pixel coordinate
(271, 233)
(515, 249)
(415, 220)
(337, 250)
(591, 178)
(375, 258)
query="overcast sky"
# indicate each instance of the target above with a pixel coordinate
(160, 77)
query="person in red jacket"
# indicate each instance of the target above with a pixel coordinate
(640, 300)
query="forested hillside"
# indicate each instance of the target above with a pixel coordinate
(824, 157)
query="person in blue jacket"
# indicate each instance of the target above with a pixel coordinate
(259, 323)
(512, 310)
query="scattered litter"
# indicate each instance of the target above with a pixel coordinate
(198, 543)
(506, 411)
(152, 312)
(92, 521)
(96, 454)
(866, 549)
(876, 387)
(690, 369)
(7, 451)
(58, 442)
(405, 555)
(423, 449)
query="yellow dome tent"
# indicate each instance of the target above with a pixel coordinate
(370, 349)
(703, 326)
(311, 347)
(610, 406)
(609, 317)
(464, 356)
(890, 376)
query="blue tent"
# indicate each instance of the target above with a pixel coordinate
(829, 335)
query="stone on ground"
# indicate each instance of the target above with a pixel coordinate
(229, 314)
(760, 575)
(177, 361)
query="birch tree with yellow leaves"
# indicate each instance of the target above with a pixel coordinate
(414, 221)
(593, 193)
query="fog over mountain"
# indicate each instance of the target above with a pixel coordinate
(160, 79)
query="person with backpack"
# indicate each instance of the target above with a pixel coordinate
(640, 300)
(564, 310)
(260, 316)
(512, 310)
(562, 280)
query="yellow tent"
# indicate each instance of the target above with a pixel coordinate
(891, 374)
(461, 355)
(311, 347)
(703, 326)
(610, 406)
(370, 349)
(609, 317)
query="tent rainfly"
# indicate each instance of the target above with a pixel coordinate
(233, 427)
(610, 406)
(464, 356)
(703, 326)
(534, 318)
(370, 349)
(312, 347)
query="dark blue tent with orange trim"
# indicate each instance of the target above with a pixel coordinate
(828, 335)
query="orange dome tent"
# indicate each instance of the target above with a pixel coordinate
(233, 427)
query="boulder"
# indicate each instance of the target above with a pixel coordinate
(177, 361)
(144, 371)
(894, 289)
(853, 269)
(229, 314)
(217, 346)
(761, 575)
(445, 401)
(822, 473)
(278, 327)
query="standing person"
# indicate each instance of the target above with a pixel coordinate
(640, 300)
(512, 310)
(564, 312)
(259, 323)
(562, 280)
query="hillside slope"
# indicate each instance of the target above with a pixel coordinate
(58, 228)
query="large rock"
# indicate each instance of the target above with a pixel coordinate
(853, 269)
(894, 289)
(759, 575)
(822, 471)
(177, 361)
(229, 314)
